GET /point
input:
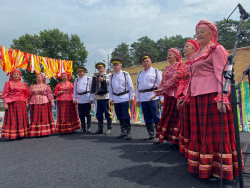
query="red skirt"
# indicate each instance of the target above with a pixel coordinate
(204, 154)
(67, 117)
(16, 121)
(168, 126)
(184, 133)
(42, 122)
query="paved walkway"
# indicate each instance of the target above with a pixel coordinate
(89, 160)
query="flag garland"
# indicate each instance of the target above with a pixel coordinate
(11, 59)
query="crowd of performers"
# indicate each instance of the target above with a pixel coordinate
(189, 92)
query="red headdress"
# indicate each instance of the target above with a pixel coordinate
(14, 71)
(69, 76)
(176, 53)
(210, 27)
(43, 78)
(194, 44)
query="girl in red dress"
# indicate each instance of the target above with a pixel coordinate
(15, 95)
(67, 115)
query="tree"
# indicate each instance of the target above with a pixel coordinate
(227, 32)
(143, 45)
(53, 44)
(122, 52)
(163, 45)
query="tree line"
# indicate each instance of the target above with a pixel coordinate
(158, 49)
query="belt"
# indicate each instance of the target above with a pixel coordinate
(122, 93)
(147, 90)
(83, 93)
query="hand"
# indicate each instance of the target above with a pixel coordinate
(131, 101)
(180, 103)
(61, 92)
(27, 105)
(158, 91)
(225, 107)
(112, 101)
(90, 101)
(138, 103)
(6, 106)
(161, 102)
(75, 101)
(52, 104)
(100, 79)
(152, 98)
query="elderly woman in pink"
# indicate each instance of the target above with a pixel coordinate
(41, 100)
(67, 116)
(167, 128)
(206, 65)
(15, 96)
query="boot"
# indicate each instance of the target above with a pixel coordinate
(89, 124)
(83, 126)
(123, 129)
(150, 129)
(100, 127)
(128, 127)
(109, 123)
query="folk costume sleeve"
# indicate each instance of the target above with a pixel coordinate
(110, 88)
(92, 96)
(219, 59)
(75, 92)
(5, 94)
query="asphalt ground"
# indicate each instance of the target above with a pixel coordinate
(89, 160)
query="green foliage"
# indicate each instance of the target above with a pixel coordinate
(52, 44)
(122, 52)
(143, 45)
(227, 33)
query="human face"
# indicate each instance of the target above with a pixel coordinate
(203, 36)
(64, 78)
(117, 67)
(188, 50)
(81, 73)
(39, 79)
(171, 57)
(146, 63)
(101, 69)
(16, 76)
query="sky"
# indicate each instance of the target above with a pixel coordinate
(104, 24)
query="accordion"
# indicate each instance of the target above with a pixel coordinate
(100, 88)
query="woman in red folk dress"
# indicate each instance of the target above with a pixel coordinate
(67, 116)
(206, 65)
(167, 128)
(41, 101)
(15, 95)
(181, 77)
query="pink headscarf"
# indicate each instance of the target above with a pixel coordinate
(69, 76)
(43, 78)
(194, 44)
(176, 53)
(210, 27)
(11, 75)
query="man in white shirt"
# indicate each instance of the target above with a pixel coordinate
(148, 80)
(121, 92)
(83, 97)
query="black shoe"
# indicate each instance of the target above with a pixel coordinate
(156, 142)
(150, 137)
(213, 178)
(128, 137)
(88, 130)
(99, 131)
(83, 131)
(121, 135)
(108, 132)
